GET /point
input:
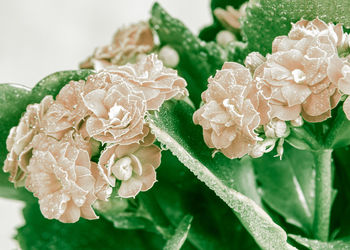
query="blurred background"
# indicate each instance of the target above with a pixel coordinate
(40, 37)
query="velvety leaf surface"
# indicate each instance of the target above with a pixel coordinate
(288, 185)
(343, 243)
(198, 60)
(40, 233)
(174, 128)
(267, 19)
(180, 235)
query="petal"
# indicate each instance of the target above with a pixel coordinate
(295, 93)
(284, 112)
(71, 214)
(317, 104)
(94, 102)
(130, 188)
(150, 155)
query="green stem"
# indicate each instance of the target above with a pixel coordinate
(323, 199)
(336, 126)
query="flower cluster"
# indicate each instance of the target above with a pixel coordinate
(127, 44)
(246, 109)
(51, 150)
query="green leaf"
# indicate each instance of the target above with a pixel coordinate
(52, 84)
(198, 60)
(174, 128)
(343, 243)
(267, 19)
(288, 185)
(180, 235)
(40, 233)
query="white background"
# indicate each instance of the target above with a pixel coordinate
(39, 37)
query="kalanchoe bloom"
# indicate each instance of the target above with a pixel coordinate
(19, 141)
(60, 176)
(157, 82)
(317, 27)
(67, 112)
(295, 76)
(229, 17)
(126, 45)
(339, 73)
(233, 108)
(134, 165)
(117, 113)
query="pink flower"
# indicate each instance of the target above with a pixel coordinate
(157, 82)
(229, 17)
(317, 27)
(67, 112)
(117, 113)
(233, 108)
(60, 176)
(19, 141)
(295, 75)
(339, 73)
(134, 165)
(126, 45)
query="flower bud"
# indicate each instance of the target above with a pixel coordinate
(276, 129)
(169, 56)
(297, 122)
(224, 37)
(262, 147)
(122, 169)
(253, 61)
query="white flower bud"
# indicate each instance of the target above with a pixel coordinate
(297, 122)
(254, 60)
(122, 169)
(262, 147)
(169, 56)
(224, 37)
(276, 129)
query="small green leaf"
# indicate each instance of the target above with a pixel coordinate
(198, 60)
(288, 185)
(343, 243)
(267, 19)
(174, 128)
(180, 235)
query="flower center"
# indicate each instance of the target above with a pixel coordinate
(117, 113)
(122, 169)
(298, 76)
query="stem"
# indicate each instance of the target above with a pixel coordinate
(336, 126)
(323, 200)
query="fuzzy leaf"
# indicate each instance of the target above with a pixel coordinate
(288, 185)
(180, 235)
(174, 128)
(267, 19)
(198, 60)
(343, 243)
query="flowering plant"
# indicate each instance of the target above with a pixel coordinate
(127, 151)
